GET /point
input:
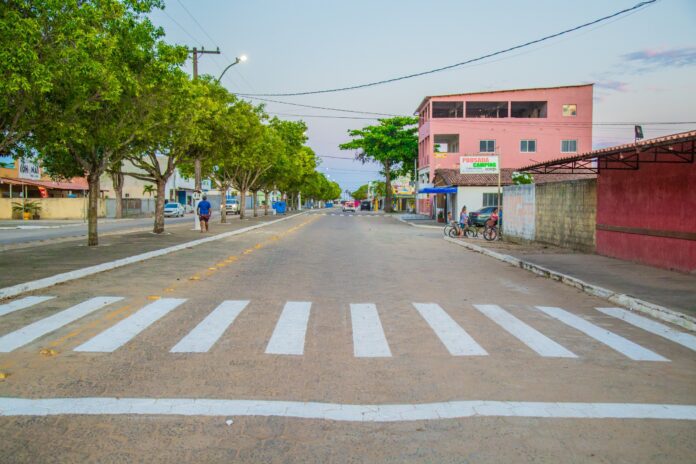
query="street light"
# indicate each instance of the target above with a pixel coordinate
(239, 59)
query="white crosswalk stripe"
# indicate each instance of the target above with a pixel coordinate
(210, 329)
(616, 342)
(651, 326)
(369, 340)
(289, 334)
(13, 306)
(457, 341)
(123, 332)
(52, 323)
(531, 337)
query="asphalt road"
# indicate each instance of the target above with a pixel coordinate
(337, 338)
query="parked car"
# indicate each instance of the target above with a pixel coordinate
(232, 206)
(349, 206)
(480, 217)
(173, 210)
(366, 205)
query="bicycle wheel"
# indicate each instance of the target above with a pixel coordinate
(490, 233)
(471, 232)
(447, 230)
(453, 232)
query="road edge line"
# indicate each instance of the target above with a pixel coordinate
(632, 303)
(46, 282)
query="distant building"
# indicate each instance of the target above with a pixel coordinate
(521, 126)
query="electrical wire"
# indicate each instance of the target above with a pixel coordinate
(196, 21)
(323, 107)
(462, 63)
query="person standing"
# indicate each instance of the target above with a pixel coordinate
(204, 210)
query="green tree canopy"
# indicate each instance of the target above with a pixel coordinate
(393, 143)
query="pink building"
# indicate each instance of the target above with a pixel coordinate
(522, 126)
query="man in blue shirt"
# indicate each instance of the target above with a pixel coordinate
(203, 211)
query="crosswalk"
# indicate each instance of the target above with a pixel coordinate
(353, 215)
(369, 338)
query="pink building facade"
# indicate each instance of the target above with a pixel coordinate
(521, 126)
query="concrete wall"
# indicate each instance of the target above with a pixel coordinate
(647, 215)
(566, 214)
(54, 208)
(519, 211)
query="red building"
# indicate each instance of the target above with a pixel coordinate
(646, 199)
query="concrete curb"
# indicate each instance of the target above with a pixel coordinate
(419, 225)
(18, 289)
(627, 301)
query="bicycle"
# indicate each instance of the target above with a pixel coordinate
(491, 233)
(455, 230)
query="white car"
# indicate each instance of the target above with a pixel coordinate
(173, 210)
(349, 207)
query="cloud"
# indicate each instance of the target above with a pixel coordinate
(675, 58)
(616, 86)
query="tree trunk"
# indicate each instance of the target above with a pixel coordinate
(266, 195)
(117, 179)
(255, 194)
(387, 188)
(159, 207)
(242, 203)
(223, 203)
(93, 209)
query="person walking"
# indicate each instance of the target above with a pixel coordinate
(203, 211)
(463, 221)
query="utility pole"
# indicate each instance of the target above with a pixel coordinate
(197, 161)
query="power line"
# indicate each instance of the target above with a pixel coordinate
(456, 65)
(321, 116)
(196, 21)
(195, 39)
(321, 107)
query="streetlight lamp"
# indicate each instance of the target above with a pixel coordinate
(239, 59)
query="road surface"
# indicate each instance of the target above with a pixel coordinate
(335, 337)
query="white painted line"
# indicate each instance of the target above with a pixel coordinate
(49, 324)
(289, 333)
(660, 312)
(651, 326)
(210, 329)
(616, 342)
(123, 332)
(369, 340)
(525, 333)
(26, 302)
(12, 407)
(86, 271)
(457, 341)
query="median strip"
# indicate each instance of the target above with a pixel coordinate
(46, 282)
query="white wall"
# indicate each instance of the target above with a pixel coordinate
(471, 197)
(519, 211)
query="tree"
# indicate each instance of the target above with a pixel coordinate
(90, 116)
(393, 143)
(361, 193)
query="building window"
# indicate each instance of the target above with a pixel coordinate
(476, 109)
(487, 146)
(570, 110)
(528, 109)
(491, 199)
(528, 146)
(569, 146)
(448, 109)
(446, 143)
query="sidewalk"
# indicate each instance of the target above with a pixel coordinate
(7, 224)
(420, 220)
(672, 290)
(33, 263)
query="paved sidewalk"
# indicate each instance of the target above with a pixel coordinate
(674, 290)
(33, 263)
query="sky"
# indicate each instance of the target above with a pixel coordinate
(643, 64)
